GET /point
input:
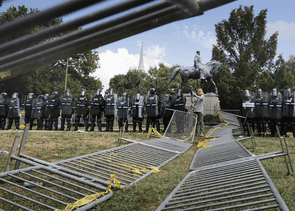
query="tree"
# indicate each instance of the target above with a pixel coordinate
(51, 77)
(242, 48)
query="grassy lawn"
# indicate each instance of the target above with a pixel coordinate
(149, 193)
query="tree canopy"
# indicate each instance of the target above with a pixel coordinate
(51, 77)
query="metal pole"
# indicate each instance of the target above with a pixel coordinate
(66, 73)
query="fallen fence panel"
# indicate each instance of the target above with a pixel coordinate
(243, 185)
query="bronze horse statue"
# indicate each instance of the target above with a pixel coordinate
(189, 72)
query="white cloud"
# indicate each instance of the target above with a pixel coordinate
(115, 63)
(286, 30)
(205, 40)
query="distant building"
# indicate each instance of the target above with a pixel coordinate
(211, 103)
(141, 66)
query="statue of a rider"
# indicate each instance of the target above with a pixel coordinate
(197, 65)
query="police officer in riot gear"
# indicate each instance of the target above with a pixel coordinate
(66, 109)
(82, 110)
(13, 111)
(28, 108)
(166, 114)
(152, 110)
(137, 111)
(262, 111)
(54, 112)
(123, 111)
(275, 110)
(3, 109)
(38, 110)
(110, 109)
(97, 107)
(288, 115)
(248, 110)
(47, 110)
(178, 103)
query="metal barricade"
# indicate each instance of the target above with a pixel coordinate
(243, 185)
(46, 188)
(182, 126)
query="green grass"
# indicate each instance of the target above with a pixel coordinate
(149, 193)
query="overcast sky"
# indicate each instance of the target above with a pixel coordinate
(176, 43)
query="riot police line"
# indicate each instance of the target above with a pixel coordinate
(264, 111)
(47, 109)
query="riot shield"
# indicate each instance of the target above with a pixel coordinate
(38, 108)
(123, 107)
(261, 105)
(82, 105)
(3, 106)
(110, 104)
(166, 100)
(97, 105)
(275, 105)
(248, 104)
(137, 106)
(13, 108)
(66, 104)
(152, 105)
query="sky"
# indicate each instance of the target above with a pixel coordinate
(176, 43)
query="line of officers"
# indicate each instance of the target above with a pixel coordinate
(262, 109)
(48, 108)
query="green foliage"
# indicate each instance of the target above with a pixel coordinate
(244, 51)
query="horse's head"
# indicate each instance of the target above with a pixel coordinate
(215, 66)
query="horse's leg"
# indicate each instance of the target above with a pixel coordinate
(216, 91)
(185, 84)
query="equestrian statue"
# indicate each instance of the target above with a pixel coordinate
(199, 71)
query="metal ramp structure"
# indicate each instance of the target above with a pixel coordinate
(227, 176)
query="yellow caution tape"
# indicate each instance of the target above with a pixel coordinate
(216, 129)
(200, 144)
(218, 113)
(149, 133)
(156, 170)
(90, 198)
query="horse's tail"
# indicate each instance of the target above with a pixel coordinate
(175, 72)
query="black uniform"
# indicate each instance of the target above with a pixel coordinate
(82, 110)
(97, 107)
(28, 102)
(288, 116)
(248, 110)
(166, 114)
(152, 110)
(13, 111)
(66, 109)
(47, 110)
(123, 111)
(275, 110)
(137, 111)
(53, 110)
(3, 109)
(110, 109)
(262, 111)
(38, 111)
(178, 103)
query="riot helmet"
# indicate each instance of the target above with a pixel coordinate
(14, 95)
(137, 97)
(125, 95)
(97, 92)
(274, 92)
(259, 93)
(246, 95)
(67, 92)
(152, 91)
(4, 94)
(30, 96)
(83, 92)
(54, 94)
(111, 92)
(46, 96)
